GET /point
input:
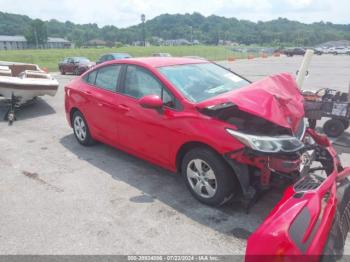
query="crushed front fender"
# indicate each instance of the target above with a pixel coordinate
(300, 224)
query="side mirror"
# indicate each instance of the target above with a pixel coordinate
(151, 101)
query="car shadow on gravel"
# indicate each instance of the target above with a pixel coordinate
(34, 109)
(169, 188)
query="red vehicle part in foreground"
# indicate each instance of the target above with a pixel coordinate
(307, 216)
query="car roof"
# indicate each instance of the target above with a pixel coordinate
(115, 53)
(119, 53)
(78, 57)
(162, 61)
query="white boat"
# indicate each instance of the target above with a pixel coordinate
(25, 82)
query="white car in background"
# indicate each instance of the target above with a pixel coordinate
(340, 50)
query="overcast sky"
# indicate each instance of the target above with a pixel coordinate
(123, 13)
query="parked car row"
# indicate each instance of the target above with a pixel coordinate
(341, 50)
(294, 51)
(79, 65)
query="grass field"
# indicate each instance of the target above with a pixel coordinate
(50, 57)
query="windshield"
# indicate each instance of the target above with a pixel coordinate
(198, 82)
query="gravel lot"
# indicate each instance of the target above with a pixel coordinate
(58, 197)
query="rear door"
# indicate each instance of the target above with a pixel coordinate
(102, 110)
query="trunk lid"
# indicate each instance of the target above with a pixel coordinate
(275, 98)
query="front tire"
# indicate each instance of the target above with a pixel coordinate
(81, 130)
(208, 177)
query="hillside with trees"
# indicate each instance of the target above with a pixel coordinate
(207, 30)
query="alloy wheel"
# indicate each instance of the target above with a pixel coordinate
(80, 128)
(201, 178)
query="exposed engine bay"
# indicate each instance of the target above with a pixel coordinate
(244, 121)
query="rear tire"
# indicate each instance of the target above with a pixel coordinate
(333, 127)
(208, 177)
(81, 130)
(62, 71)
(346, 123)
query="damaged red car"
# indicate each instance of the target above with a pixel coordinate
(228, 137)
(195, 117)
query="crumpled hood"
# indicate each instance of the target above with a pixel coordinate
(275, 98)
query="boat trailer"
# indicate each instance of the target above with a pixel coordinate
(12, 106)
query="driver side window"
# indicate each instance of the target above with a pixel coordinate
(139, 83)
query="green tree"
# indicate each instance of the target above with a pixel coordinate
(207, 30)
(36, 33)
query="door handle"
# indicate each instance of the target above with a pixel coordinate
(123, 108)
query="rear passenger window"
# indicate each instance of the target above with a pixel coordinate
(107, 77)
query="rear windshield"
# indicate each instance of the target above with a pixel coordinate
(198, 82)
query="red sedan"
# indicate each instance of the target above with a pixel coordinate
(75, 65)
(224, 134)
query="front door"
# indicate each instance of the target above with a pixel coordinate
(144, 131)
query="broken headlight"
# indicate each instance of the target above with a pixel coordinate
(268, 144)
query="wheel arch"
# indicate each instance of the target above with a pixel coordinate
(71, 113)
(187, 147)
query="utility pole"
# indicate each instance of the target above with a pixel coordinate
(191, 27)
(143, 19)
(36, 38)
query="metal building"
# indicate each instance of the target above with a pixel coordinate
(19, 42)
(12, 42)
(56, 42)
